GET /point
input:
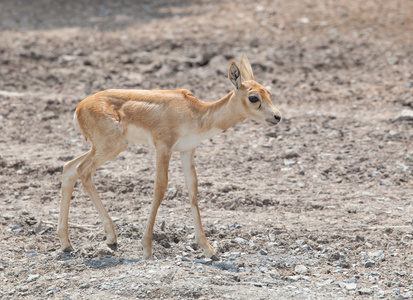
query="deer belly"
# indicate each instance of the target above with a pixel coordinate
(191, 141)
(136, 134)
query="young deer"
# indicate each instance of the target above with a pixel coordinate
(168, 120)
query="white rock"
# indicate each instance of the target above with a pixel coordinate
(405, 115)
(300, 269)
(239, 240)
(351, 286)
(375, 254)
(33, 277)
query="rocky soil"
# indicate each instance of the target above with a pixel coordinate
(319, 207)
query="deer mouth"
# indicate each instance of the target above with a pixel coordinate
(271, 123)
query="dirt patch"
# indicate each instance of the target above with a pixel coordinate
(317, 207)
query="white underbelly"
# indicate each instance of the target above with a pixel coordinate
(192, 141)
(136, 134)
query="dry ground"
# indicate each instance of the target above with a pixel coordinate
(317, 207)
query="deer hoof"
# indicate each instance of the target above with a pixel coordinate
(68, 249)
(113, 247)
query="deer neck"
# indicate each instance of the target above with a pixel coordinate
(224, 113)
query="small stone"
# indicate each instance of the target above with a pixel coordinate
(33, 277)
(294, 278)
(300, 269)
(200, 261)
(263, 252)
(7, 216)
(289, 162)
(351, 286)
(235, 225)
(31, 253)
(392, 60)
(189, 249)
(103, 252)
(328, 281)
(185, 259)
(368, 194)
(205, 261)
(405, 115)
(345, 265)
(239, 240)
(255, 42)
(385, 182)
(85, 285)
(334, 256)
(375, 254)
(407, 295)
(165, 244)
(369, 264)
(22, 288)
(303, 20)
(368, 245)
(306, 247)
(16, 228)
(333, 32)
(352, 210)
(365, 291)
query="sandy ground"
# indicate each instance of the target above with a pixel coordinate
(319, 207)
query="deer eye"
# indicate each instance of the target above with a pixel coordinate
(253, 99)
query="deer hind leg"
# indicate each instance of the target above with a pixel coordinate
(86, 169)
(163, 156)
(69, 179)
(191, 180)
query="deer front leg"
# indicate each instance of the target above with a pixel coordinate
(191, 180)
(162, 163)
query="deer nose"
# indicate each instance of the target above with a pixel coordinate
(277, 118)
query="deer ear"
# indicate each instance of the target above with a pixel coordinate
(246, 70)
(234, 75)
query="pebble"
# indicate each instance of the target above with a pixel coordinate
(294, 278)
(407, 295)
(85, 285)
(405, 115)
(22, 288)
(300, 269)
(263, 252)
(365, 291)
(16, 228)
(375, 254)
(369, 264)
(289, 162)
(392, 60)
(239, 240)
(235, 225)
(306, 247)
(7, 216)
(385, 182)
(33, 277)
(351, 286)
(206, 261)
